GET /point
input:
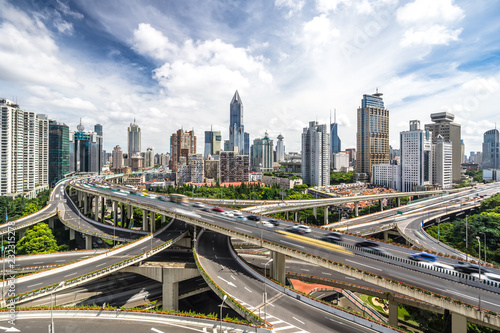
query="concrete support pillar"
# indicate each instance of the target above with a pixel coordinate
(325, 215)
(399, 201)
(286, 215)
(51, 223)
(145, 220)
(85, 204)
(162, 219)
(381, 205)
(458, 323)
(103, 209)
(295, 216)
(315, 212)
(88, 242)
(152, 221)
(386, 236)
(21, 233)
(115, 213)
(393, 312)
(96, 208)
(71, 234)
(356, 209)
(278, 269)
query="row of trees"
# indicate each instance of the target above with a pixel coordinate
(19, 207)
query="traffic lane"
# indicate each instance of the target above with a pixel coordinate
(53, 258)
(286, 310)
(35, 283)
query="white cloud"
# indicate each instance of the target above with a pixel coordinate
(293, 5)
(429, 11)
(325, 6)
(151, 42)
(318, 33)
(433, 35)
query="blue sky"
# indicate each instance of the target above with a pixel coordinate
(173, 64)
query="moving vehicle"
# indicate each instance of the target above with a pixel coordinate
(217, 209)
(468, 268)
(265, 224)
(226, 213)
(367, 243)
(198, 205)
(335, 234)
(299, 229)
(423, 256)
(274, 222)
(241, 218)
(179, 199)
(253, 218)
(330, 239)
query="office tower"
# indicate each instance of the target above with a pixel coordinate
(340, 161)
(352, 155)
(336, 143)
(443, 125)
(280, 149)
(237, 136)
(24, 150)
(226, 145)
(100, 147)
(262, 154)
(316, 155)
(117, 157)
(58, 151)
(183, 144)
(213, 140)
(85, 151)
(372, 136)
(491, 145)
(387, 175)
(442, 156)
(196, 168)
(134, 139)
(416, 157)
(233, 167)
(148, 157)
(165, 159)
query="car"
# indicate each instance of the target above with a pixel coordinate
(217, 209)
(236, 212)
(299, 229)
(241, 218)
(335, 234)
(330, 239)
(376, 250)
(265, 224)
(468, 268)
(423, 256)
(228, 214)
(367, 243)
(274, 222)
(205, 209)
(253, 218)
(198, 205)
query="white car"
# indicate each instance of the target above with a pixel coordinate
(266, 224)
(241, 218)
(236, 213)
(226, 213)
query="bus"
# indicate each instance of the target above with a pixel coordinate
(179, 199)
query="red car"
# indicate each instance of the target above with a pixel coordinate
(217, 209)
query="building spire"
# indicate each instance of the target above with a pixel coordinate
(335, 116)
(236, 98)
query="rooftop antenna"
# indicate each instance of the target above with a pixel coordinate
(330, 116)
(335, 116)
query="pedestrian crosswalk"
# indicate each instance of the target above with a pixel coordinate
(279, 324)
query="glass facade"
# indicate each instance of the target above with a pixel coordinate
(59, 150)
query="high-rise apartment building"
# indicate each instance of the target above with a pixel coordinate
(148, 157)
(237, 136)
(134, 139)
(196, 168)
(233, 167)
(24, 150)
(416, 157)
(100, 145)
(442, 159)
(491, 145)
(316, 155)
(117, 157)
(262, 154)
(280, 149)
(372, 137)
(85, 151)
(213, 141)
(443, 125)
(58, 151)
(183, 144)
(334, 136)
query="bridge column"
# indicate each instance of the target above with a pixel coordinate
(381, 205)
(399, 201)
(103, 209)
(386, 236)
(315, 213)
(144, 220)
(325, 216)
(51, 223)
(21, 233)
(96, 208)
(129, 214)
(85, 204)
(152, 221)
(163, 219)
(71, 234)
(286, 215)
(278, 270)
(115, 213)
(356, 209)
(393, 312)
(295, 216)
(458, 323)
(88, 242)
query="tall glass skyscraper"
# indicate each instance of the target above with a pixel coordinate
(237, 136)
(336, 143)
(134, 139)
(213, 142)
(58, 151)
(491, 146)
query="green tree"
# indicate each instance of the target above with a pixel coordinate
(38, 239)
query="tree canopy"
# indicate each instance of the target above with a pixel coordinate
(38, 239)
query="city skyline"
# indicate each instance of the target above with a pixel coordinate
(175, 65)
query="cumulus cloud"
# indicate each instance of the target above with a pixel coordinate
(292, 5)
(433, 35)
(429, 11)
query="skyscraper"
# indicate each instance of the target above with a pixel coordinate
(233, 167)
(442, 159)
(416, 157)
(336, 143)
(443, 125)
(237, 136)
(85, 151)
(117, 157)
(213, 140)
(58, 151)
(372, 136)
(316, 155)
(262, 154)
(491, 145)
(183, 144)
(134, 139)
(280, 149)
(99, 142)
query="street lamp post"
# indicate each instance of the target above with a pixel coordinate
(484, 245)
(479, 261)
(52, 330)
(221, 305)
(466, 240)
(265, 286)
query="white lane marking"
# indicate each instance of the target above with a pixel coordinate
(9, 329)
(276, 322)
(100, 264)
(248, 290)
(459, 294)
(245, 230)
(155, 330)
(36, 284)
(305, 270)
(358, 263)
(38, 262)
(300, 321)
(282, 241)
(71, 274)
(271, 304)
(228, 282)
(324, 273)
(284, 328)
(232, 277)
(349, 278)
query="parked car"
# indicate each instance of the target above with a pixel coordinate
(274, 222)
(366, 243)
(423, 256)
(253, 217)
